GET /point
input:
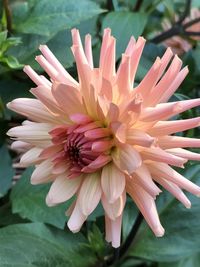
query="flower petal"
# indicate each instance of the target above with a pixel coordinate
(127, 159)
(62, 189)
(112, 182)
(90, 193)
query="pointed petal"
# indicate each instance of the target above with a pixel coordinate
(90, 193)
(68, 98)
(112, 182)
(76, 219)
(115, 209)
(163, 170)
(147, 206)
(170, 127)
(127, 159)
(62, 189)
(42, 173)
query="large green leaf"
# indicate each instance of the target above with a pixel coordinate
(192, 261)
(29, 202)
(6, 171)
(48, 17)
(182, 237)
(124, 25)
(36, 245)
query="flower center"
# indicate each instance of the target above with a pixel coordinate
(83, 150)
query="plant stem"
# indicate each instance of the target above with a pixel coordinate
(138, 5)
(8, 16)
(121, 251)
(178, 28)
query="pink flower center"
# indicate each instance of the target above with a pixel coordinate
(83, 149)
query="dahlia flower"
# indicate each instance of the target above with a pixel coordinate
(104, 137)
(178, 44)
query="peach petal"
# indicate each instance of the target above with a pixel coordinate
(165, 82)
(42, 173)
(88, 50)
(115, 209)
(65, 76)
(146, 204)
(177, 142)
(31, 157)
(174, 190)
(90, 193)
(76, 219)
(116, 231)
(112, 182)
(169, 127)
(34, 76)
(127, 159)
(163, 170)
(62, 189)
(143, 177)
(158, 155)
(184, 153)
(33, 109)
(137, 137)
(68, 98)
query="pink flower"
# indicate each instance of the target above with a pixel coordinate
(100, 138)
(178, 44)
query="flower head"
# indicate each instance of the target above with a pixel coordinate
(178, 44)
(104, 136)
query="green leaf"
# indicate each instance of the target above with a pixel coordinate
(36, 245)
(29, 201)
(6, 171)
(48, 17)
(123, 25)
(11, 89)
(182, 237)
(7, 217)
(11, 62)
(60, 40)
(192, 261)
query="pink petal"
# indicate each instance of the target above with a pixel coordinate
(159, 155)
(62, 189)
(64, 75)
(42, 173)
(88, 50)
(178, 141)
(34, 76)
(143, 177)
(150, 79)
(127, 159)
(112, 182)
(137, 137)
(116, 226)
(170, 127)
(159, 112)
(99, 162)
(147, 206)
(184, 153)
(31, 157)
(115, 209)
(163, 170)
(90, 193)
(174, 190)
(33, 109)
(165, 82)
(76, 219)
(68, 98)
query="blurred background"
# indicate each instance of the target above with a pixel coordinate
(33, 235)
